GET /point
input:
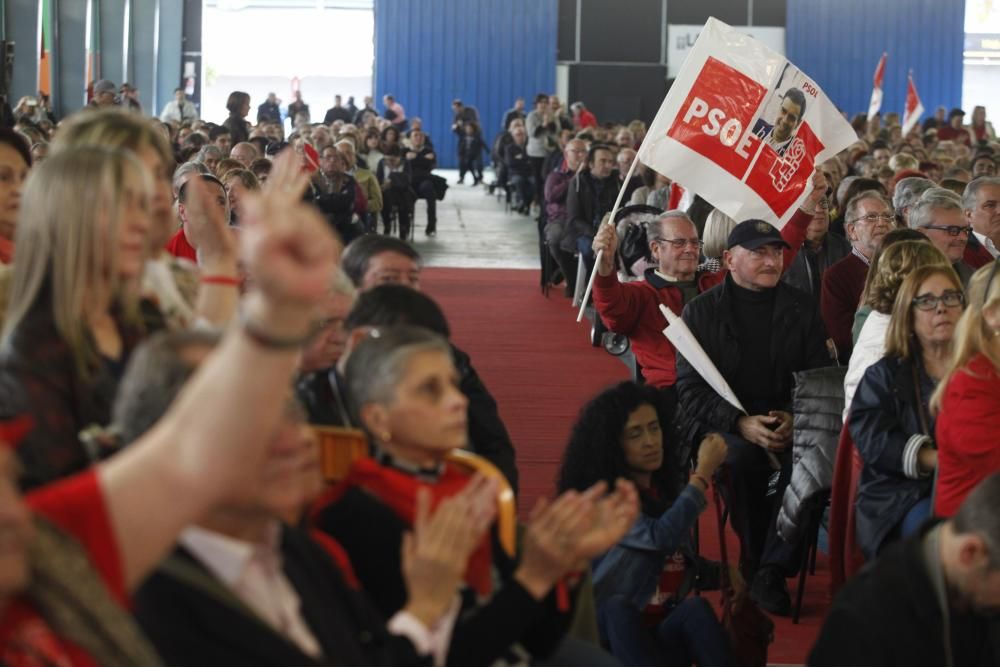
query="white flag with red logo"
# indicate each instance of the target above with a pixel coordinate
(876, 102)
(743, 127)
(914, 107)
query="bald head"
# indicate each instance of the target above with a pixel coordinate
(244, 152)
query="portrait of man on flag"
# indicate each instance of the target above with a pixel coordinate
(779, 133)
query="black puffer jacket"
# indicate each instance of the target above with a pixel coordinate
(886, 428)
(817, 404)
(798, 343)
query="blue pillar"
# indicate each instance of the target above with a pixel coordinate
(168, 70)
(21, 26)
(112, 40)
(69, 56)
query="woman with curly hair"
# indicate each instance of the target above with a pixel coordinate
(640, 584)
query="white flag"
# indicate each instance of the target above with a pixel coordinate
(743, 127)
(876, 102)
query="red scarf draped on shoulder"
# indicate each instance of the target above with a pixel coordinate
(398, 490)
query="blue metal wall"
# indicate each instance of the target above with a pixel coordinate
(486, 52)
(839, 42)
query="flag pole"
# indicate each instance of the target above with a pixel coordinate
(611, 221)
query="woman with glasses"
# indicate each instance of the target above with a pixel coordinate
(890, 419)
(967, 400)
(884, 280)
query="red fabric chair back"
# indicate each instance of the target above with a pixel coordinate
(845, 555)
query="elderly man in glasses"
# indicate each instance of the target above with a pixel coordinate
(633, 309)
(868, 218)
(938, 215)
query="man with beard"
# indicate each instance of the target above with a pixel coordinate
(868, 218)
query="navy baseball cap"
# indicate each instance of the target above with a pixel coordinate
(752, 234)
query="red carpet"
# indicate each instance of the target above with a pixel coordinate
(539, 365)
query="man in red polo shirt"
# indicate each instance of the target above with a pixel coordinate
(186, 241)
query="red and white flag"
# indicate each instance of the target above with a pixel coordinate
(743, 127)
(876, 102)
(914, 108)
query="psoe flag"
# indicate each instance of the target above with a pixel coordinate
(743, 127)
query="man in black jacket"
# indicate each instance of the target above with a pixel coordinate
(591, 194)
(270, 110)
(422, 161)
(931, 600)
(758, 332)
(337, 112)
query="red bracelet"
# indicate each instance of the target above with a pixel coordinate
(220, 280)
(701, 479)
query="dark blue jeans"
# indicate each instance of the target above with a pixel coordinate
(691, 633)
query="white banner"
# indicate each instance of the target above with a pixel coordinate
(681, 39)
(743, 127)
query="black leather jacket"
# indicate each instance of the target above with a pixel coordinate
(798, 343)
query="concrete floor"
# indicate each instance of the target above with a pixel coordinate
(475, 231)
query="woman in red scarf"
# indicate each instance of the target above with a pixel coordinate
(403, 387)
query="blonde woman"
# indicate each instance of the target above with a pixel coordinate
(886, 275)
(73, 316)
(172, 285)
(967, 400)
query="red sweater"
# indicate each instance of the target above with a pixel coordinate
(178, 246)
(966, 433)
(839, 298)
(633, 309)
(976, 255)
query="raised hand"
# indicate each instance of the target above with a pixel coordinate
(551, 540)
(611, 518)
(435, 554)
(207, 228)
(606, 240)
(288, 250)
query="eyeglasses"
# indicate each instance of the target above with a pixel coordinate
(873, 218)
(950, 299)
(678, 244)
(953, 230)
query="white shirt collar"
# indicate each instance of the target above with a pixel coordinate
(226, 557)
(986, 242)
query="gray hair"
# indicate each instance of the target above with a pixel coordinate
(921, 212)
(654, 226)
(376, 366)
(908, 191)
(155, 375)
(972, 190)
(718, 225)
(845, 184)
(184, 172)
(851, 210)
(207, 149)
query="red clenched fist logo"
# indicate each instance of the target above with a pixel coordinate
(714, 119)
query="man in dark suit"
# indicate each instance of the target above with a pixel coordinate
(243, 587)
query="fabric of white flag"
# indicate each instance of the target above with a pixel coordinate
(743, 127)
(876, 102)
(914, 107)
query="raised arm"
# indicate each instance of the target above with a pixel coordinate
(212, 440)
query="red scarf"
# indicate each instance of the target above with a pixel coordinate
(398, 490)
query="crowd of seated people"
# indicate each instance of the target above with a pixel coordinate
(175, 512)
